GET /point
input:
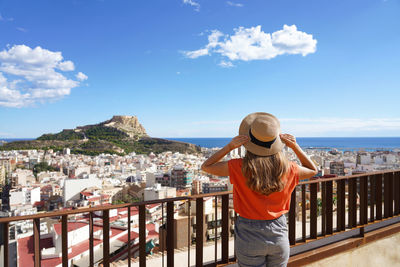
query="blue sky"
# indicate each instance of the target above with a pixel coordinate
(195, 68)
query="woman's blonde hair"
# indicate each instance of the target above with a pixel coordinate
(264, 174)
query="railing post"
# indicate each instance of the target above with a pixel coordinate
(164, 241)
(396, 193)
(106, 238)
(329, 207)
(225, 228)
(216, 228)
(142, 235)
(313, 210)
(378, 185)
(189, 231)
(199, 231)
(303, 212)
(292, 218)
(388, 193)
(36, 241)
(391, 177)
(323, 208)
(362, 231)
(170, 234)
(129, 236)
(91, 253)
(363, 200)
(352, 202)
(5, 242)
(372, 197)
(341, 205)
(64, 239)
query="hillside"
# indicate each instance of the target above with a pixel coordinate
(120, 135)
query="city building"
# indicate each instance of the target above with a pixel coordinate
(73, 187)
(214, 187)
(337, 167)
(163, 179)
(159, 192)
(2, 176)
(24, 195)
(180, 178)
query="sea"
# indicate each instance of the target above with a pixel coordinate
(323, 143)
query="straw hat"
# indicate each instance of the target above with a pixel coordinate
(263, 129)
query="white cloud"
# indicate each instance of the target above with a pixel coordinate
(341, 126)
(253, 44)
(81, 76)
(216, 122)
(21, 29)
(307, 127)
(193, 4)
(3, 134)
(234, 4)
(28, 76)
(196, 53)
(5, 19)
(66, 66)
(226, 64)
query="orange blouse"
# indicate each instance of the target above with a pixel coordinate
(252, 205)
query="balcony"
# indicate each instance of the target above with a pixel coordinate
(326, 217)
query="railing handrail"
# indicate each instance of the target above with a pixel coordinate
(347, 177)
(60, 213)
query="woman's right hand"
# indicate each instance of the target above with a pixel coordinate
(238, 141)
(289, 140)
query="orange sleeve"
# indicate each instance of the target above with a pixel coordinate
(231, 179)
(233, 167)
(294, 169)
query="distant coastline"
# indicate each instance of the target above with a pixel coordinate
(16, 139)
(324, 143)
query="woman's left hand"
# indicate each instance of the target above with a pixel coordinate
(238, 141)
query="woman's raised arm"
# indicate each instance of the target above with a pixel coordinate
(213, 165)
(308, 169)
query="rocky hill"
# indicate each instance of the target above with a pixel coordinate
(128, 124)
(120, 135)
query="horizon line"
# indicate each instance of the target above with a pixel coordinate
(2, 138)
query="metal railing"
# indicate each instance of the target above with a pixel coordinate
(378, 194)
(373, 190)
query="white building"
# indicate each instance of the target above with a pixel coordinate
(81, 170)
(150, 179)
(17, 197)
(73, 187)
(365, 159)
(24, 196)
(390, 159)
(208, 206)
(32, 195)
(22, 177)
(379, 159)
(159, 192)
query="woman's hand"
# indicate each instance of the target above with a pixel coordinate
(289, 140)
(237, 141)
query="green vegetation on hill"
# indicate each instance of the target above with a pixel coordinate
(64, 135)
(97, 139)
(104, 133)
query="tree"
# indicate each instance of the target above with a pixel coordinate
(41, 167)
